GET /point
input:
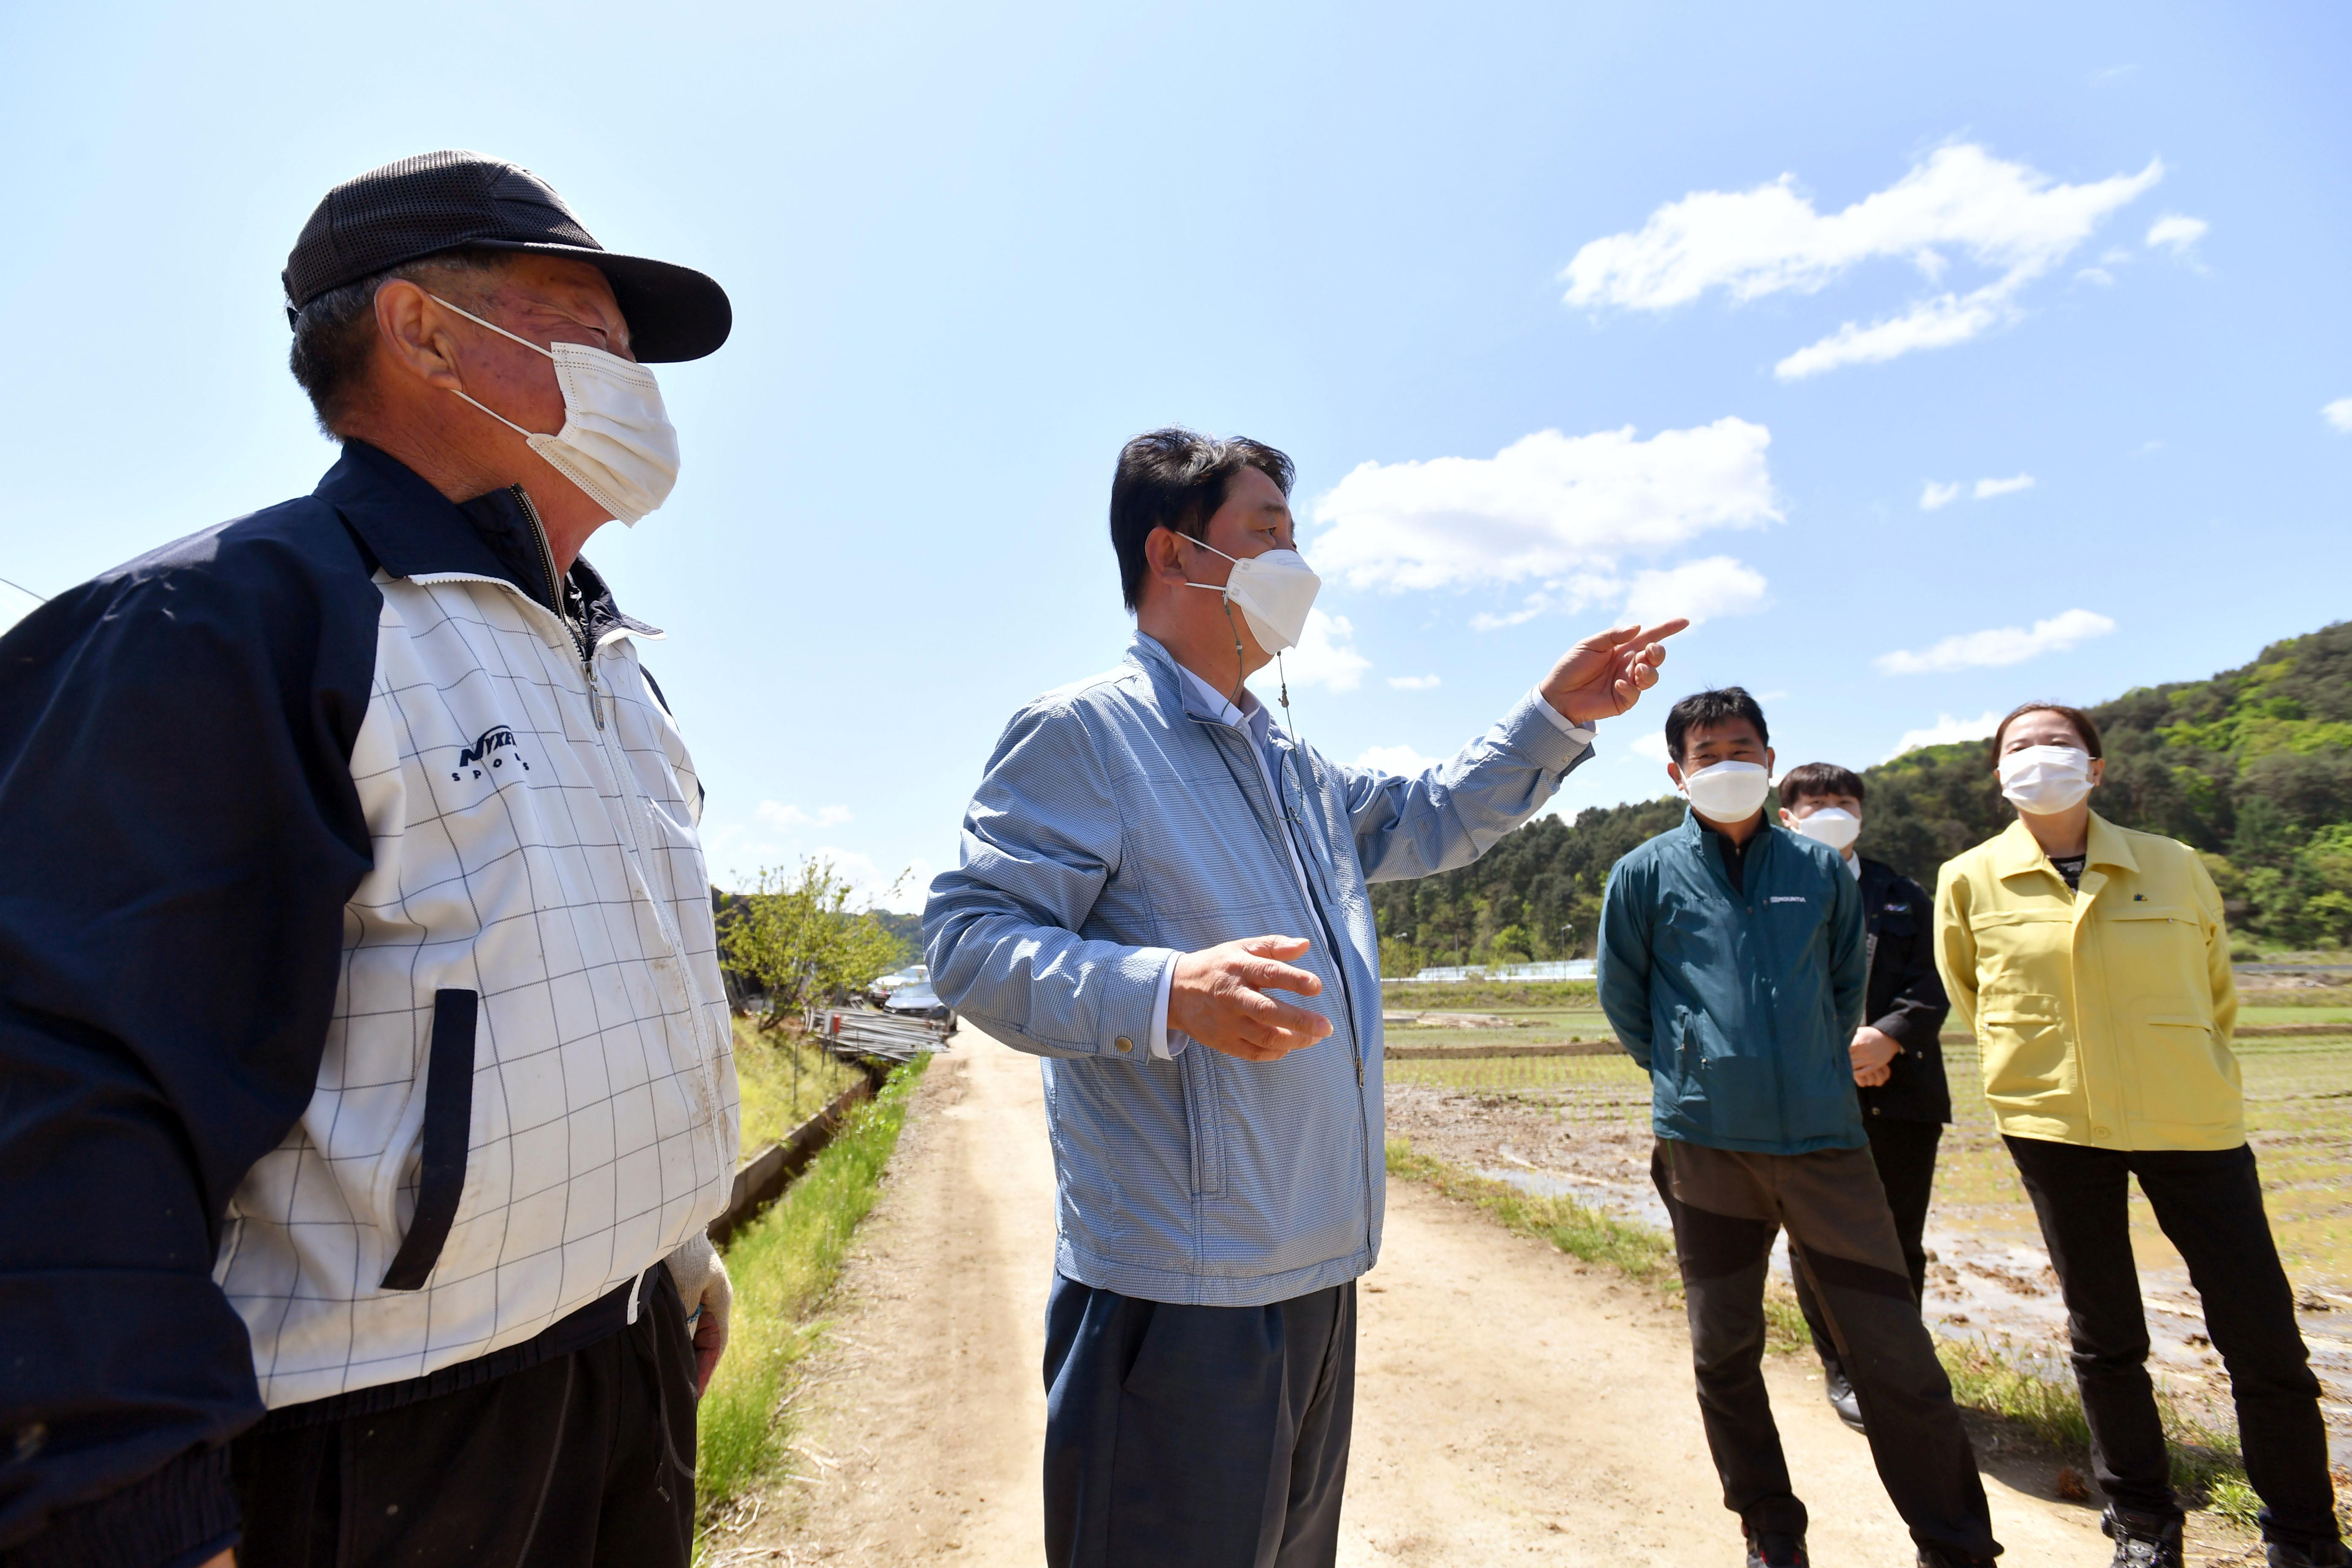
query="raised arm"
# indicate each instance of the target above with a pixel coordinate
(1451, 814)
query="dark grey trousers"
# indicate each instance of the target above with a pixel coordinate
(1196, 1436)
(1727, 1207)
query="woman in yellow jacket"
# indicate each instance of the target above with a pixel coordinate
(2092, 964)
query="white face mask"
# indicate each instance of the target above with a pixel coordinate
(1273, 591)
(617, 443)
(1727, 792)
(1833, 826)
(2046, 780)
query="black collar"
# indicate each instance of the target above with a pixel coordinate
(413, 530)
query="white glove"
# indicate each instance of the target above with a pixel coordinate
(710, 1298)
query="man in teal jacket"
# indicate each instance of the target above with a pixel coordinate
(1732, 965)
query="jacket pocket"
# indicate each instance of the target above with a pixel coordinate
(1202, 1119)
(2181, 1075)
(448, 1126)
(2027, 1057)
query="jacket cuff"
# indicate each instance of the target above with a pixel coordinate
(1532, 728)
(1903, 1028)
(181, 1516)
(1130, 998)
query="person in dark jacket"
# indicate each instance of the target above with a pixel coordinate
(1733, 962)
(1899, 1063)
(365, 1074)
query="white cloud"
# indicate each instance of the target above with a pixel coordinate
(2113, 73)
(1415, 683)
(1944, 731)
(1651, 743)
(2338, 413)
(1396, 759)
(1987, 489)
(1938, 496)
(778, 814)
(2001, 646)
(1558, 509)
(2176, 232)
(1325, 656)
(2099, 275)
(1717, 585)
(2005, 217)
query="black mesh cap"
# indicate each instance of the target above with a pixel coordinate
(441, 201)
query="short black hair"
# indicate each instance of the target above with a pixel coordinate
(1821, 778)
(1704, 710)
(334, 334)
(1177, 478)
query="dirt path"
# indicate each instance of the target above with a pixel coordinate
(1512, 1404)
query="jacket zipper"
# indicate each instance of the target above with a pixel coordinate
(586, 648)
(556, 601)
(1347, 997)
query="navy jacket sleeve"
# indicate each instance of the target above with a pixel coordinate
(1621, 966)
(1913, 1013)
(182, 833)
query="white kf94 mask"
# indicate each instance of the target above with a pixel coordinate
(2046, 780)
(617, 443)
(1727, 792)
(1273, 591)
(1832, 825)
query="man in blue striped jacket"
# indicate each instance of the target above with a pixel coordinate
(1148, 857)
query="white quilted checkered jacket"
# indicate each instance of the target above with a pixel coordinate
(528, 1096)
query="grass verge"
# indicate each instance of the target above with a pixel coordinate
(781, 1265)
(2205, 1459)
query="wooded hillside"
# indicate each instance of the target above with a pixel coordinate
(2253, 766)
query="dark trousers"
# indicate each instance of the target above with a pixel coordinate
(1727, 1207)
(2210, 1205)
(1904, 1155)
(585, 1460)
(1196, 1436)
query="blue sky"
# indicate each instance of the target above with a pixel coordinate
(1732, 295)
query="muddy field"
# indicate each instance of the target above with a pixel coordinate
(1580, 1126)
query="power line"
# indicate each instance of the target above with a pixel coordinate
(22, 589)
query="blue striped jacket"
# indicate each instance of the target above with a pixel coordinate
(1119, 824)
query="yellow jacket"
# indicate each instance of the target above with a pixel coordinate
(2104, 1016)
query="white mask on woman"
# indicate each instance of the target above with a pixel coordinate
(1273, 591)
(617, 443)
(1834, 825)
(2046, 780)
(1727, 792)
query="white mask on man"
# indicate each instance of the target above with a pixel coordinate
(616, 445)
(2046, 780)
(1727, 792)
(1834, 825)
(1273, 591)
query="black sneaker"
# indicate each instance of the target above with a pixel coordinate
(2143, 1539)
(1841, 1395)
(1944, 1557)
(1771, 1549)
(2319, 1555)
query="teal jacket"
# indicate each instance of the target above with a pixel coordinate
(1741, 1004)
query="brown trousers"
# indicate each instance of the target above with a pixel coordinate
(1727, 1207)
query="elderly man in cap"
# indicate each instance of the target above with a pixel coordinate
(364, 1047)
